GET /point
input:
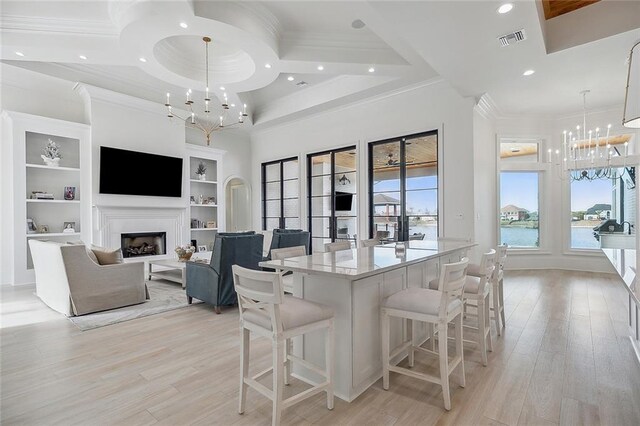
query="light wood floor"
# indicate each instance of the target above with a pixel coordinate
(564, 358)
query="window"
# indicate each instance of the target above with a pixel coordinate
(519, 210)
(593, 201)
(519, 224)
(280, 194)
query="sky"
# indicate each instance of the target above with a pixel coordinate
(520, 189)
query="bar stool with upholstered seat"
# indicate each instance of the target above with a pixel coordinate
(476, 289)
(497, 285)
(267, 312)
(439, 307)
(284, 253)
(337, 246)
(372, 242)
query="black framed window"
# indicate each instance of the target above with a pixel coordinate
(403, 188)
(281, 194)
(332, 195)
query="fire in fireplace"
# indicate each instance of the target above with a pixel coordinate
(143, 244)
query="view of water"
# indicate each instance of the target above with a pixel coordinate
(581, 237)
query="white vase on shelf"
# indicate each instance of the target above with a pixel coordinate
(51, 162)
(202, 177)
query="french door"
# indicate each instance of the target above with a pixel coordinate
(280, 197)
(403, 188)
(332, 189)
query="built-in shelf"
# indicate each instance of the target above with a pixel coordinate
(53, 234)
(204, 205)
(203, 181)
(59, 168)
(204, 229)
(29, 200)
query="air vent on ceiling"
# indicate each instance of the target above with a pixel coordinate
(512, 38)
(301, 83)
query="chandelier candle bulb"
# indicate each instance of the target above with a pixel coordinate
(608, 129)
(193, 118)
(168, 102)
(549, 155)
(206, 95)
(626, 149)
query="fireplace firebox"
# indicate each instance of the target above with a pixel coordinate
(143, 244)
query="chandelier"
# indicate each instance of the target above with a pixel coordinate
(207, 124)
(587, 155)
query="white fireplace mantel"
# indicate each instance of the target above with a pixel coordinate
(112, 221)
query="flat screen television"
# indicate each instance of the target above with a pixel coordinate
(343, 201)
(126, 172)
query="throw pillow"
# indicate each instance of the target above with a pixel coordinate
(107, 256)
(90, 253)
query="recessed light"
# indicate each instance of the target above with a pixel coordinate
(20, 54)
(221, 87)
(357, 24)
(505, 8)
(320, 67)
(184, 25)
(528, 72)
(372, 69)
(290, 78)
(142, 59)
(84, 58)
(267, 65)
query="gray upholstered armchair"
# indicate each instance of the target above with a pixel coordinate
(283, 238)
(213, 283)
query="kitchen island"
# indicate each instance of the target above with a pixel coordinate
(354, 283)
(624, 261)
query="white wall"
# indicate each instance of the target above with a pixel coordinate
(433, 105)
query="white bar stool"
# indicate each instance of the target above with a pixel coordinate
(284, 253)
(477, 289)
(370, 242)
(266, 311)
(497, 285)
(433, 307)
(337, 246)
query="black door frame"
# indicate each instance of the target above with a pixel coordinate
(263, 177)
(403, 226)
(332, 219)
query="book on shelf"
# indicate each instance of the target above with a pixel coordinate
(38, 195)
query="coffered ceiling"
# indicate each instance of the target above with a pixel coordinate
(343, 50)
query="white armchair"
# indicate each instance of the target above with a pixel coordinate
(68, 281)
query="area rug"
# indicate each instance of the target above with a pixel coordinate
(165, 296)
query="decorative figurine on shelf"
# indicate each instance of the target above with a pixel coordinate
(201, 170)
(185, 252)
(43, 229)
(51, 154)
(201, 199)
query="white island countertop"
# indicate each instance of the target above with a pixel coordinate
(360, 263)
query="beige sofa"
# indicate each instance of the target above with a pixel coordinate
(68, 281)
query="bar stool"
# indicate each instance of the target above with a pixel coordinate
(370, 242)
(476, 289)
(497, 285)
(267, 312)
(337, 246)
(433, 307)
(284, 253)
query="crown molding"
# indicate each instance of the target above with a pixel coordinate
(486, 107)
(39, 24)
(25, 117)
(94, 93)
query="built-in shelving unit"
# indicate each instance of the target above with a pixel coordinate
(28, 136)
(205, 194)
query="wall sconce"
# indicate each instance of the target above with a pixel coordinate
(631, 115)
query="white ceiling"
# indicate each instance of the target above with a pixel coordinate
(405, 41)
